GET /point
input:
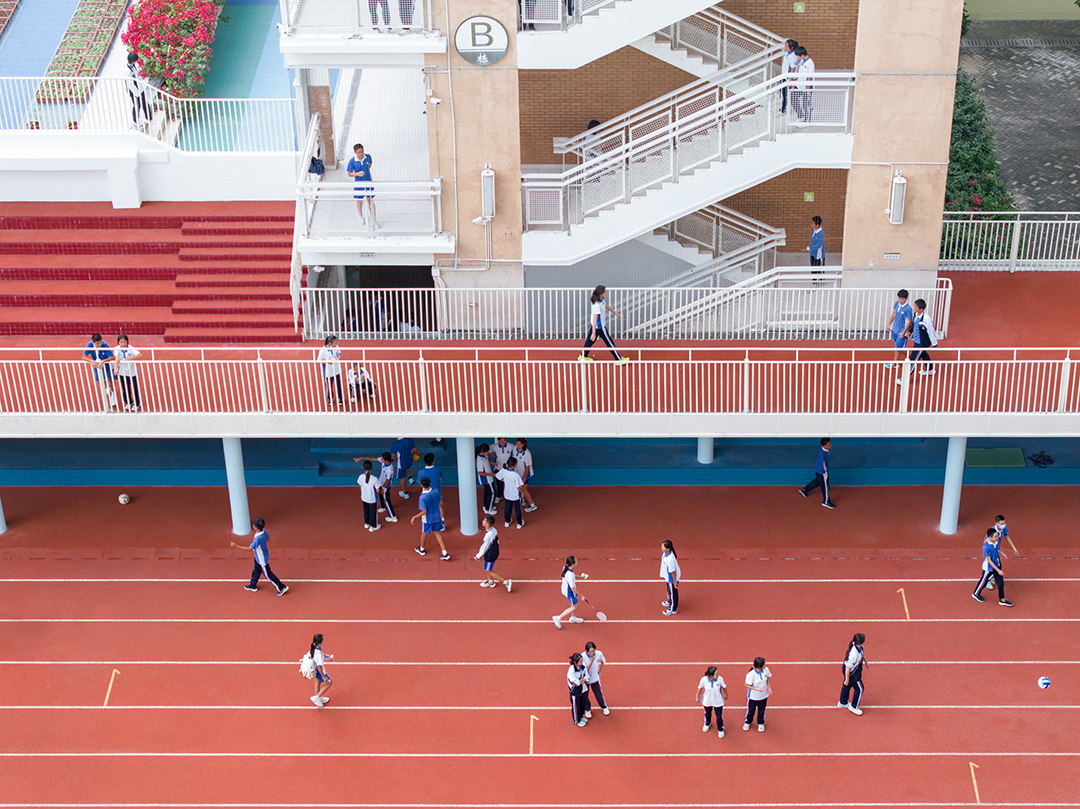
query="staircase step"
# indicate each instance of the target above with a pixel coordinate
(124, 241)
(233, 307)
(140, 320)
(80, 293)
(237, 228)
(244, 254)
(217, 335)
(275, 279)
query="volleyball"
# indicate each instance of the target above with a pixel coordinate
(124, 500)
(1044, 683)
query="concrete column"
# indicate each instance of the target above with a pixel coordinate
(706, 449)
(954, 481)
(466, 475)
(234, 473)
(3, 522)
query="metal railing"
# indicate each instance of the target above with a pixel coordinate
(333, 210)
(549, 13)
(111, 106)
(787, 303)
(496, 381)
(1010, 241)
(356, 16)
(686, 132)
(721, 37)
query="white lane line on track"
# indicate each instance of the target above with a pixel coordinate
(474, 580)
(616, 708)
(488, 621)
(755, 805)
(577, 756)
(530, 663)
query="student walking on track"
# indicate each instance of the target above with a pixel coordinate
(670, 573)
(711, 693)
(369, 497)
(853, 666)
(821, 475)
(575, 681)
(262, 558)
(597, 327)
(489, 552)
(594, 666)
(322, 679)
(992, 557)
(758, 691)
(431, 514)
(570, 593)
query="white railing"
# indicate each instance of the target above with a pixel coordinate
(689, 132)
(721, 37)
(355, 16)
(789, 304)
(518, 380)
(331, 210)
(548, 13)
(107, 106)
(1010, 241)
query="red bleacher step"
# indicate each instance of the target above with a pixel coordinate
(237, 228)
(207, 280)
(233, 307)
(226, 336)
(244, 254)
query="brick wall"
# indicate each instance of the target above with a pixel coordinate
(560, 103)
(826, 29)
(779, 202)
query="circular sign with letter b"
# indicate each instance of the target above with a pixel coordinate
(481, 40)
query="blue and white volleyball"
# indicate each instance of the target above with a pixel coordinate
(1044, 683)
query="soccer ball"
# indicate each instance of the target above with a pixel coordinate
(124, 499)
(1044, 683)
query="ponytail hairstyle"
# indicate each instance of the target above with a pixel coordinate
(367, 471)
(597, 293)
(668, 545)
(570, 562)
(330, 340)
(483, 449)
(710, 671)
(858, 640)
(759, 663)
(575, 659)
(315, 641)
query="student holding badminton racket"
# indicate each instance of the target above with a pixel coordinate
(670, 573)
(570, 593)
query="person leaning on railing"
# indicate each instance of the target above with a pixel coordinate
(100, 356)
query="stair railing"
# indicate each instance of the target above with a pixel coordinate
(721, 37)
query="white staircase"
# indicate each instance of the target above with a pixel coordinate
(711, 40)
(596, 28)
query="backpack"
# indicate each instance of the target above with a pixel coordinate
(307, 666)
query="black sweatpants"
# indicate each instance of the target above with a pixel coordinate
(673, 596)
(758, 706)
(579, 701)
(385, 504)
(598, 693)
(854, 688)
(999, 580)
(129, 389)
(601, 334)
(512, 507)
(371, 514)
(264, 570)
(920, 354)
(719, 711)
(823, 482)
(489, 496)
(332, 383)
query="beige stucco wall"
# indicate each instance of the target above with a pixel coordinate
(905, 57)
(485, 106)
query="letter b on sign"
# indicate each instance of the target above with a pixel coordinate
(481, 40)
(481, 34)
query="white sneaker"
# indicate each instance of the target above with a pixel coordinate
(557, 620)
(488, 583)
(841, 705)
(720, 733)
(588, 714)
(575, 620)
(375, 528)
(665, 603)
(509, 584)
(506, 525)
(900, 381)
(704, 728)
(316, 702)
(890, 365)
(761, 727)
(581, 724)
(324, 700)
(533, 507)
(607, 711)
(382, 511)
(391, 519)
(403, 495)
(856, 711)
(926, 373)
(746, 726)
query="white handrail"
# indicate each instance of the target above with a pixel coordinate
(1013, 241)
(122, 106)
(356, 17)
(331, 209)
(718, 35)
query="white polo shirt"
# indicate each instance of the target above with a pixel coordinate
(502, 453)
(569, 582)
(713, 695)
(329, 358)
(592, 665)
(369, 487)
(854, 658)
(757, 683)
(512, 482)
(669, 567)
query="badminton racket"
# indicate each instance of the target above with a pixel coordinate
(601, 617)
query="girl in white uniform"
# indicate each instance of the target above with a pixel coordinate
(126, 372)
(486, 476)
(322, 679)
(853, 666)
(369, 496)
(758, 690)
(594, 666)
(330, 362)
(597, 329)
(711, 693)
(575, 681)
(569, 591)
(670, 573)
(489, 552)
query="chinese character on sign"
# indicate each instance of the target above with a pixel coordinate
(481, 58)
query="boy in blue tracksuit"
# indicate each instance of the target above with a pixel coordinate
(991, 565)
(821, 475)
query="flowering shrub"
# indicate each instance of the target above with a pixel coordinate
(974, 180)
(173, 38)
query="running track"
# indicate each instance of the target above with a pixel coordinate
(435, 681)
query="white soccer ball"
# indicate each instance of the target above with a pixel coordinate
(1044, 683)
(124, 499)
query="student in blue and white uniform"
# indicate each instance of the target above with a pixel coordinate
(486, 477)
(360, 381)
(570, 593)
(991, 565)
(575, 681)
(502, 452)
(821, 475)
(431, 514)
(330, 362)
(127, 374)
(923, 337)
(489, 552)
(512, 487)
(597, 329)
(322, 679)
(899, 326)
(262, 558)
(369, 496)
(386, 479)
(359, 168)
(711, 693)
(594, 661)
(790, 64)
(817, 243)
(670, 573)
(758, 690)
(402, 450)
(432, 472)
(101, 357)
(852, 667)
(523, 456)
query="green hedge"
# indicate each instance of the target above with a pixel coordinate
(974, 181)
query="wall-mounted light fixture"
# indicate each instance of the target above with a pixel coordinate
(897, 192)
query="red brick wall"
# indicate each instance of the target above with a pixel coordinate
(779, 202)
(826, 29)
(560, 103)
